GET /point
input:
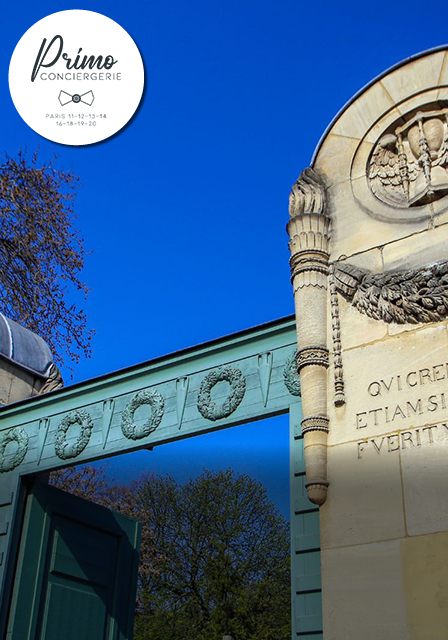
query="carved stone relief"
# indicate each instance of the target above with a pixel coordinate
(182, 385)
(150, 397)
(210, 409)
(63, 448)
(408, 166)
(314, 354)
(108, 412)
(291, 375)
(265, 361)
(11, 462)
(417, 295)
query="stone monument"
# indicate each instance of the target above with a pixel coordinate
(369, 261)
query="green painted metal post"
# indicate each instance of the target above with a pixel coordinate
(306, 591)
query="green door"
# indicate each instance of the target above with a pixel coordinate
(76, 575)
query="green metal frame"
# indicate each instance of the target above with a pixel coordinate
(74, 556)
(100, 418)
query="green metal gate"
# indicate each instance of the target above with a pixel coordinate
(76, 574)
(103, 417)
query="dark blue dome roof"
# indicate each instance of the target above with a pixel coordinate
(24, 348)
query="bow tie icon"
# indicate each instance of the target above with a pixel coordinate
(65, 98)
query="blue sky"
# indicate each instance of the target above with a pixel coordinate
(185, 210)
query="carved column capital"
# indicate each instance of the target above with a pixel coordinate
(309, 231)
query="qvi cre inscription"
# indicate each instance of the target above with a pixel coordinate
(407, 407)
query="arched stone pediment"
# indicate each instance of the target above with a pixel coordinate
(384, 157)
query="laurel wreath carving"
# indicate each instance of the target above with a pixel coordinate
(213, 411)
(150, 397)
(291, 375)
(11, 462)
(64, 449)
(416, 295)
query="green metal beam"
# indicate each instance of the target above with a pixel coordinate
(233, 380)
(165, 394)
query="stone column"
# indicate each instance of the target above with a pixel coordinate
(308, 230)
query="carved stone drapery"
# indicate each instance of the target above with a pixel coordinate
(309, 231)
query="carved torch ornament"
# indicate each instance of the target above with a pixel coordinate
(309, 232)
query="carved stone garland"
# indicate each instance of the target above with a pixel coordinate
(64, 449)
(291, 375)
(412, 296)
(308, 230)
(11, 462)
(155, 400)
(213, 411)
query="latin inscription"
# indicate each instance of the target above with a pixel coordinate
(411, 438)
(390, 411)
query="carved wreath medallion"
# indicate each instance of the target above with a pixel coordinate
(291, 375)
(213, 411)
(63, 448)
(11, 462)
(150, 397)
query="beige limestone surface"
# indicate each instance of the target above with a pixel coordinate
(16, 383)
(363, 593)
(384, 525)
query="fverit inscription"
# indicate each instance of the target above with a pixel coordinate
(401, 440)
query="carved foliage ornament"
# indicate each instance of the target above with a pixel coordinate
(150, 397)
(63, 448)
(408, 166)
(416, 295)
(307, 194)
(8, 463)
(291, 375)
(213, 411)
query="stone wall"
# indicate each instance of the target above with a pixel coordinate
(16, 383)
(384, 524)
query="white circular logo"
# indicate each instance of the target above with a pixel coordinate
(76, 77)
